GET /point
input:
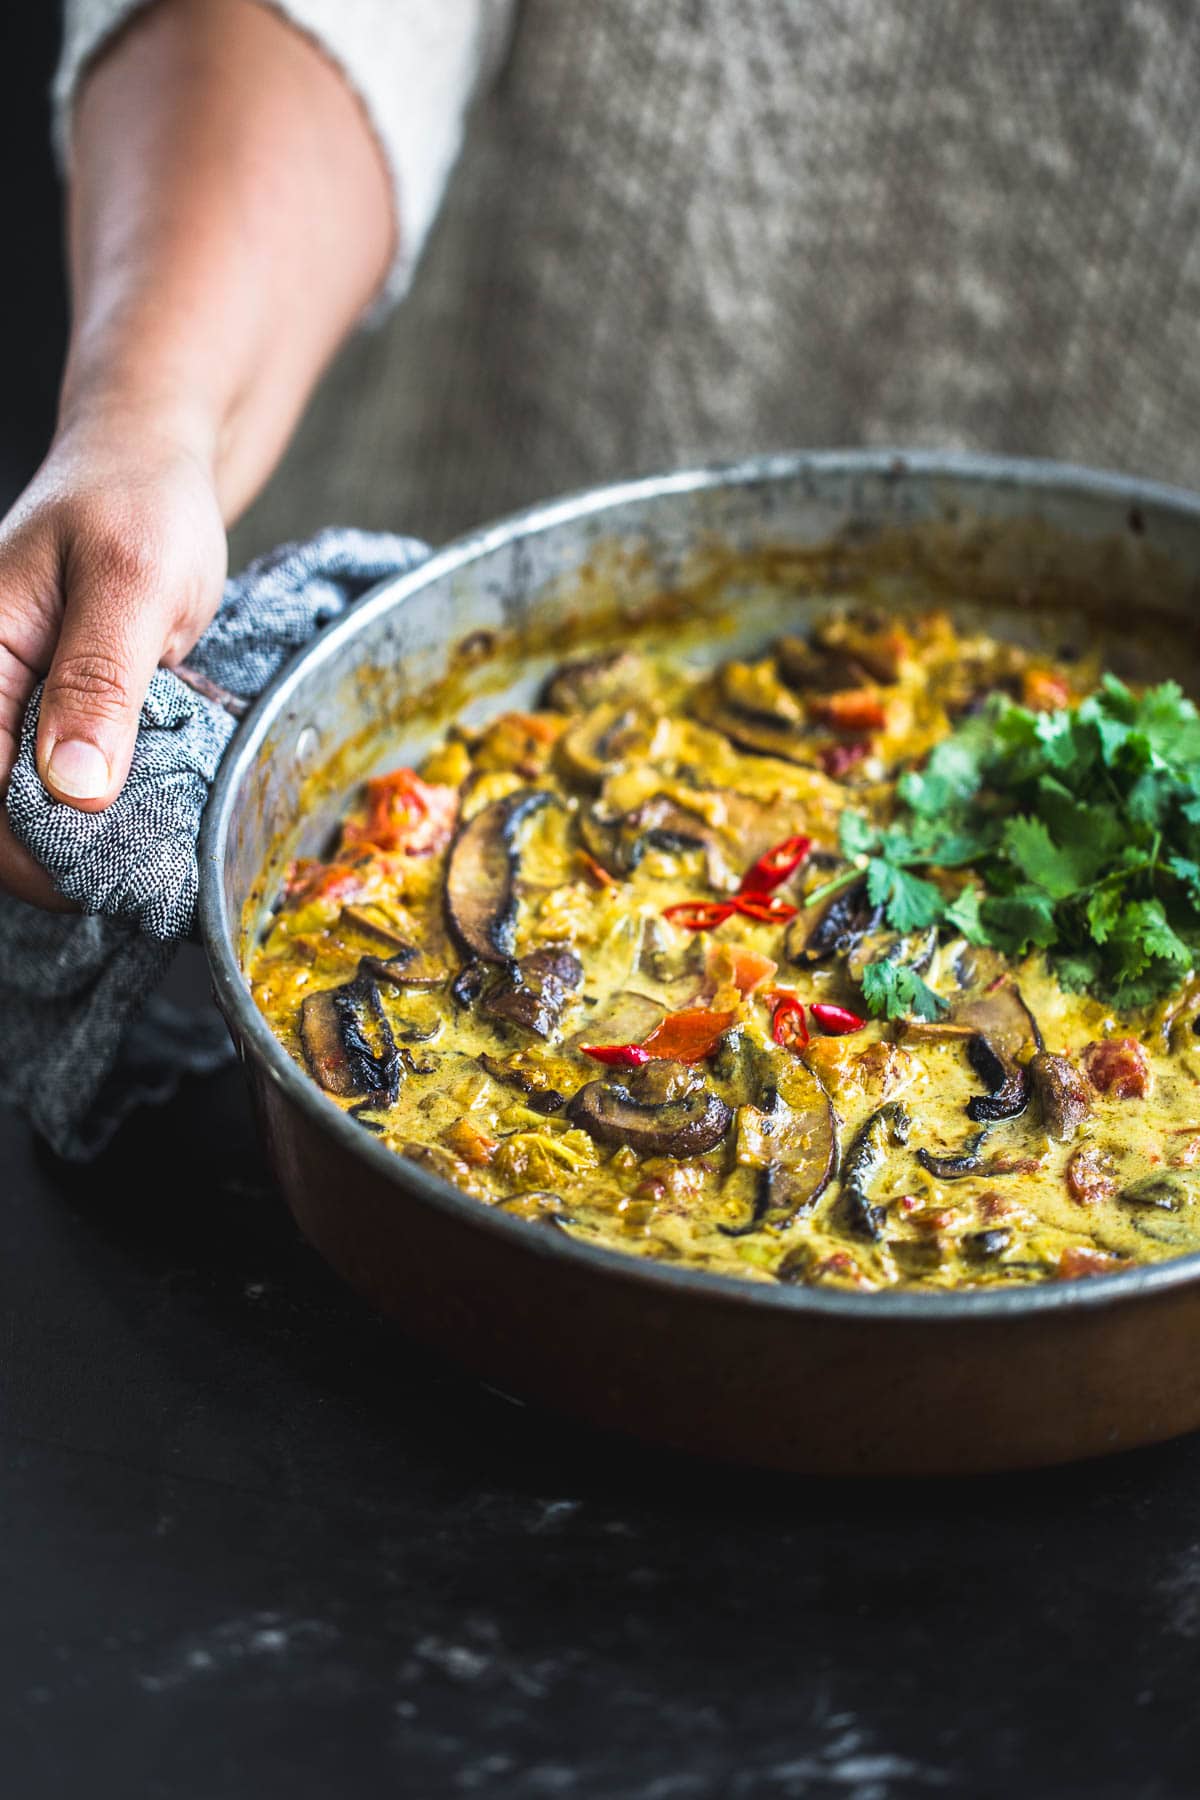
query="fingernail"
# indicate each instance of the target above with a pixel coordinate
(78, 769)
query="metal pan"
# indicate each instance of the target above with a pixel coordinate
(785, 1377)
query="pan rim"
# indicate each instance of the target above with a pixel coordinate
(557, 1247)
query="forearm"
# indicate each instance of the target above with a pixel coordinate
(230, 218)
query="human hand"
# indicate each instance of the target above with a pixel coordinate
(111, 562)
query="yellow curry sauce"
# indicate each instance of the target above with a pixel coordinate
(517, 899)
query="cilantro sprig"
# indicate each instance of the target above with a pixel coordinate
(1081, 829)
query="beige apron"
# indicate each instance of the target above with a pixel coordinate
(686, 229)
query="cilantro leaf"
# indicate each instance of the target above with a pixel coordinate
(894, 990)
(909, 903)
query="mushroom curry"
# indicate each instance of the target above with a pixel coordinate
(866, 963)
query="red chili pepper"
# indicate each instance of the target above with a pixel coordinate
(622, 1056)
(787, 1021)
(699, 915)
(835, 1021)
(778, 863)
(768, 909)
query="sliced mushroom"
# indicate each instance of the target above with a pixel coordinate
(532, 993)
(348, 1042)
(786, 1149)
(865, 1158)
(481, 877)
(955, 1164)
(612, 733)
(577, 685)
(1162, 1192)
(986, 1246)
(1061, 1093)
(844, 919)
(1006, 1082)
(1000, 1015)
(626, 1018)
(916, 951)
(662, 1109)
(750, 706)
(468, 984)
(659, 823)
(525, 1074)
(870, 642)
(809, 669)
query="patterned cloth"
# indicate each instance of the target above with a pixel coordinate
(85, 1036)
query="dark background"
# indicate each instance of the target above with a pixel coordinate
(253, 1543)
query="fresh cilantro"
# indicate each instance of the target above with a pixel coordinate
(895, 990)
(1081, 829)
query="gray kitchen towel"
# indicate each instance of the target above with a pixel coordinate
(85, 1034)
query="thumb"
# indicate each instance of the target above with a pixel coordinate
(112, 636)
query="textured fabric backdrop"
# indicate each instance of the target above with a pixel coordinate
(687, 228)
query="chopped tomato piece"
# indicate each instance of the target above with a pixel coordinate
(688, 1036)
(1080, 1260)
(308, 880)
(1088, 1179)
(1118, 1066)
(1042, 691)
(466, 1139)
(731, 964)
(853, 709)
(405, 813)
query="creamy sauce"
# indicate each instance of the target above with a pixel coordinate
(566, 833)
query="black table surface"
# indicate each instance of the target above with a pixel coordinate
(254, 1542)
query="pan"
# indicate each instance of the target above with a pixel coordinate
(808, 1380)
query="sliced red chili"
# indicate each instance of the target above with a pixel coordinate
(699, 915)
(768, 909)
(787, 1022)
(622, 1056)
(775, 866)
(835, 1021)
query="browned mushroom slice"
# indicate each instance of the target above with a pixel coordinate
(662, 1109)
(481, 877)
(576, 685)
(844, 919)
(871, 642)
(1000, 1015)
(864, 1161)
(659, 823)
(348, 1042)
(626, 1018)
(786, 1150)
(403, 963)
(750, 706)
(532, 993)
(525, 1073)
(615, 732)
(1061, 1093)
(810, 670)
